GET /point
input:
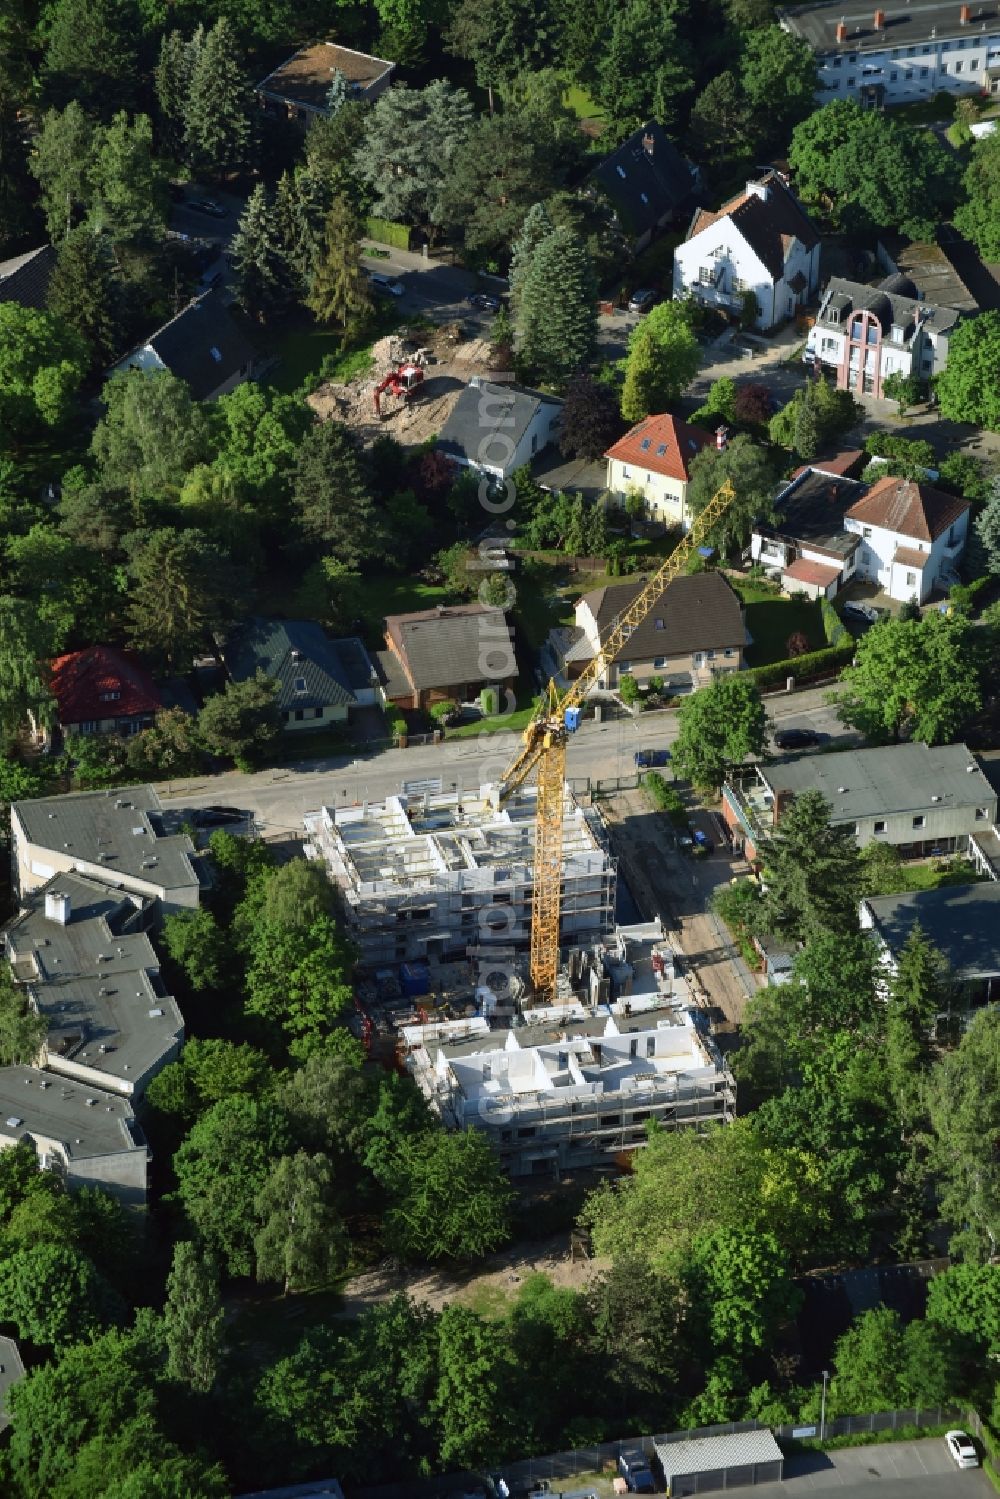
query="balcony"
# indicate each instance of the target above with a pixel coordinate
(752, 803)
(714, 296)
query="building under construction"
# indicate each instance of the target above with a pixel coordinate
(433, 876)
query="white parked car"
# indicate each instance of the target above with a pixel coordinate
(960, 1446)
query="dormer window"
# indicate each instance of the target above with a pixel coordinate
(110, 697)
(833, 316)
(897, 334)
(300, 684)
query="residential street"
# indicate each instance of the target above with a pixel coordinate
(279, 797)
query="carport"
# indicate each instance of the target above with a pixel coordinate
(726, 1462)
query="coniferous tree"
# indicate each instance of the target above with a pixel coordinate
(265, 279)
(557, 308)
(16, 215)
(83, 292)
(537, 224)
(174, 71)
(192, 1319)
(88, 58)
(918, 992)
(338, 93)
(338, 290)
(812, 871)
(128, 198)
(331, 496)
(217, 119)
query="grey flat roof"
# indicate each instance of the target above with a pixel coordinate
(895, 778)
(812, 509)
(96, 979)
(117, 830)
(906, 23)
(962, 921)
(709, 1454)
(45, 1104)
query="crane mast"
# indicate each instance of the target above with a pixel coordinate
(547, 735)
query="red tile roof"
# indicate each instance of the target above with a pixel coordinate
(908, 508)
(80, 679)
(819, 574)
(663, 445)
(909, 557)
(767, 224)
(841, 465)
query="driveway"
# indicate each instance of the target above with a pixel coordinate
(902, 1470)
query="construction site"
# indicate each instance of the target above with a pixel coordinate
(415, 379)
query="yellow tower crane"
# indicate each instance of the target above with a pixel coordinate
(547, 735)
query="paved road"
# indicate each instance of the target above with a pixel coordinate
(279, 797)
(901, 1470)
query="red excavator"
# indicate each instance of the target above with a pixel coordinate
(403, 383)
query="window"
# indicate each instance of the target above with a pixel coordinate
(526, 1133)
(873, 333)
(705, 275)
(300, 684)
(828, 346)
(110, 697)
(924, 72)
(659, 662)
(958, 67)
(661, 450)
(866, 532)
(710, 655)
(850, 83)
(837, 61)
(879, 825)
(739, 285)
(534, 442)
(911, 580)
(857, 328)
(982, 814)
(893, 77)
(624, 666)
(215, 354)
(920, 821)
(729, 651)
(645, 444)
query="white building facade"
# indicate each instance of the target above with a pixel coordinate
(912, 538)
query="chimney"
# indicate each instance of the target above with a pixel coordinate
(58, 907)
(721, 437)
(648, 144)
(964, 15)
(759, 190)
(880, 20)
(841, 31)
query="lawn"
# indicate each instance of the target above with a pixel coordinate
(935, 874)
(772, 621)
(300, 351)
(396, 593)
(579, 101)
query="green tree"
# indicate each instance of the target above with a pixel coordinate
(475, 1370)
(22, 1029)
(812, 871)
(151, 434)
(412, 138)
(721, 124)
(88, 58)
(919, 991)
(217, 114)
(206, 1072)
(339, 291)
(978, 218)
(328, 1102)
(637, 1329)
(645, 70)
(257, 437)
(53, 1295)
(20, 1178)
(740, 1289)
(868, 171)
(718, 727)
(220, 1169)
(179, 594)
(835, 988)
(172, 81)
(170, 747)
(536, 225)
(24, 687)
(750, 471)
(905, 390)
(505, 38)
(557, 307)
(449, 1198)
(42, 363)
(192, 1319)
(987, 525)
(913, 676)
(331, 496)
(880, 1365)
(265, 279)
(968, 388)
(663, 359)
(82, 293)
(61, 162)
(506, 163)
(128, 201)
(965, 1299)
(243, 720)
(302, 1240)
(779, 78)
(963, 1099)
(684, 1184)
(198, 946)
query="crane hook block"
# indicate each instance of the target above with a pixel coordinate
(572, 719)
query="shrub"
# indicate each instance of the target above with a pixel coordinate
(440, 711)
(665, 798)
(803, 668)
(797, 644)
(834, 629)
(398, 727)
(628, 689)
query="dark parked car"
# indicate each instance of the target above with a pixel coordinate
(209, 206)
(634, 1468)
(650, 758)
(484, 301)
(643, 299)
(796, 738)
(219, 817)
(864, 613)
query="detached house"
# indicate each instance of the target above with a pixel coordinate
(695, 632)
(103, 691)
(498, 429)
(912, 537)
(760, 241)
(443, 653)
(203, 345)
(319, 680)
(654, 459)
(646, 182)
(866, 333)
(300, 87)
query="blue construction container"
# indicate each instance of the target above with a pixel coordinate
(414, 979)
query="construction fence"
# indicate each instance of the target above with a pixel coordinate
(574, 1469)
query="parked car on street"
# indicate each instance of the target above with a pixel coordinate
(650, 758)
(703, 841)
(207, 205)
(796, 738)
(642, 299)
(959, 1444)
(635, 1470)
(387, 284)
(484, 301)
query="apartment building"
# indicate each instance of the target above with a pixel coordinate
(864, 334)
(433, 875)
(924, 800)
(900, 52)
